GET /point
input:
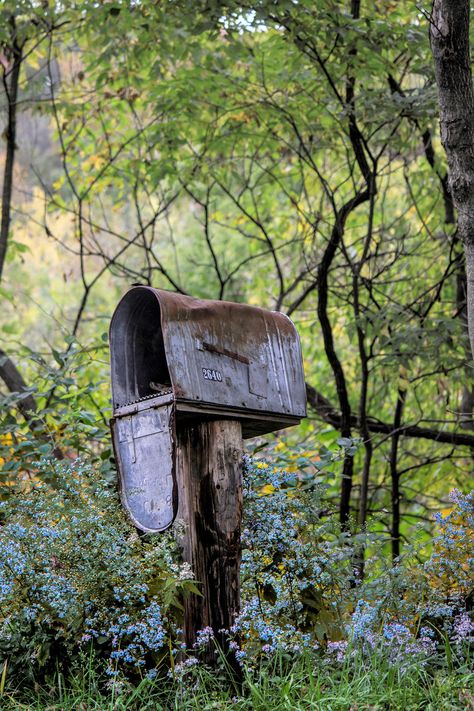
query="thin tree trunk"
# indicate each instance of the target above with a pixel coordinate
(467, 393)
(449, 33)
(10, 85)
(395, 475)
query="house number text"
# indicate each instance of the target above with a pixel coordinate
(210, 374)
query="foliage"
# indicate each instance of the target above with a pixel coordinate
(296, 567)
(286, 155)
(70, 393)
(302, 591)
(451, 566)
(279, 684)
(224, 150)
(75, 579)
(74, 573)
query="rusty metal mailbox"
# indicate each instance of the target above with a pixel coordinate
(176, 359)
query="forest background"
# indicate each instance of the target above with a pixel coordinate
(281, 154)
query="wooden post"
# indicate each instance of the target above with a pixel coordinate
(209, 475)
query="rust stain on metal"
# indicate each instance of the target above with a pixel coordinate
(224, 351)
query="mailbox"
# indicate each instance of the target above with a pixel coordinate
(175, 360)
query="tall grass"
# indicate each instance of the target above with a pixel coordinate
(278, 685)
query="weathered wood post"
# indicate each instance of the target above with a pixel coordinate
(209, 473)
(190, 380)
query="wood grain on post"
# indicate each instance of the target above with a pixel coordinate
(209, 473)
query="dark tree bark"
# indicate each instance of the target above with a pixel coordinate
(395, 474)
(13, 379)
(11, 73)
(449, 34)
(335, 363)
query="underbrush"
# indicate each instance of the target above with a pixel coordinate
(91, 613)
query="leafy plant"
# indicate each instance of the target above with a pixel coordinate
(74, 573)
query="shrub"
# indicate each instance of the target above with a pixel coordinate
(76, 577)
(297, 567)
(301, 590)
(74, 572)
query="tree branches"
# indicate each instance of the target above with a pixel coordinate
(326, 410)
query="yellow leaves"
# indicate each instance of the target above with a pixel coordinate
(267, 489)
(365, 271)
(95, 162)
(6, 440)
(403, 382)
(237, 117)
(241, 117)
(57, 185)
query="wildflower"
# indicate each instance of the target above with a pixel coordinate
(203, 637)
(463, 629)
(338, 649)
(183, 668)
(362, 619)
(396, 631)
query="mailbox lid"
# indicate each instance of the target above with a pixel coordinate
(145, 455)
(232, 355)
(224, 358)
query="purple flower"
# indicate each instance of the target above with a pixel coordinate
(203, 637)
(338, 649)
(463, 629)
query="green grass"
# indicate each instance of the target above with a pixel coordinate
(279, 686)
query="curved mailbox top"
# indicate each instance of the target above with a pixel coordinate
(212, 357)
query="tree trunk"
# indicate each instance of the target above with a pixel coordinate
(209, 471)
(395, 475)
(449, 33)
(10, 85)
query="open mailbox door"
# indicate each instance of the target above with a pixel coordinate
(145, 455)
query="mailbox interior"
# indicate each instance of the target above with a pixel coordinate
(138, 359)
